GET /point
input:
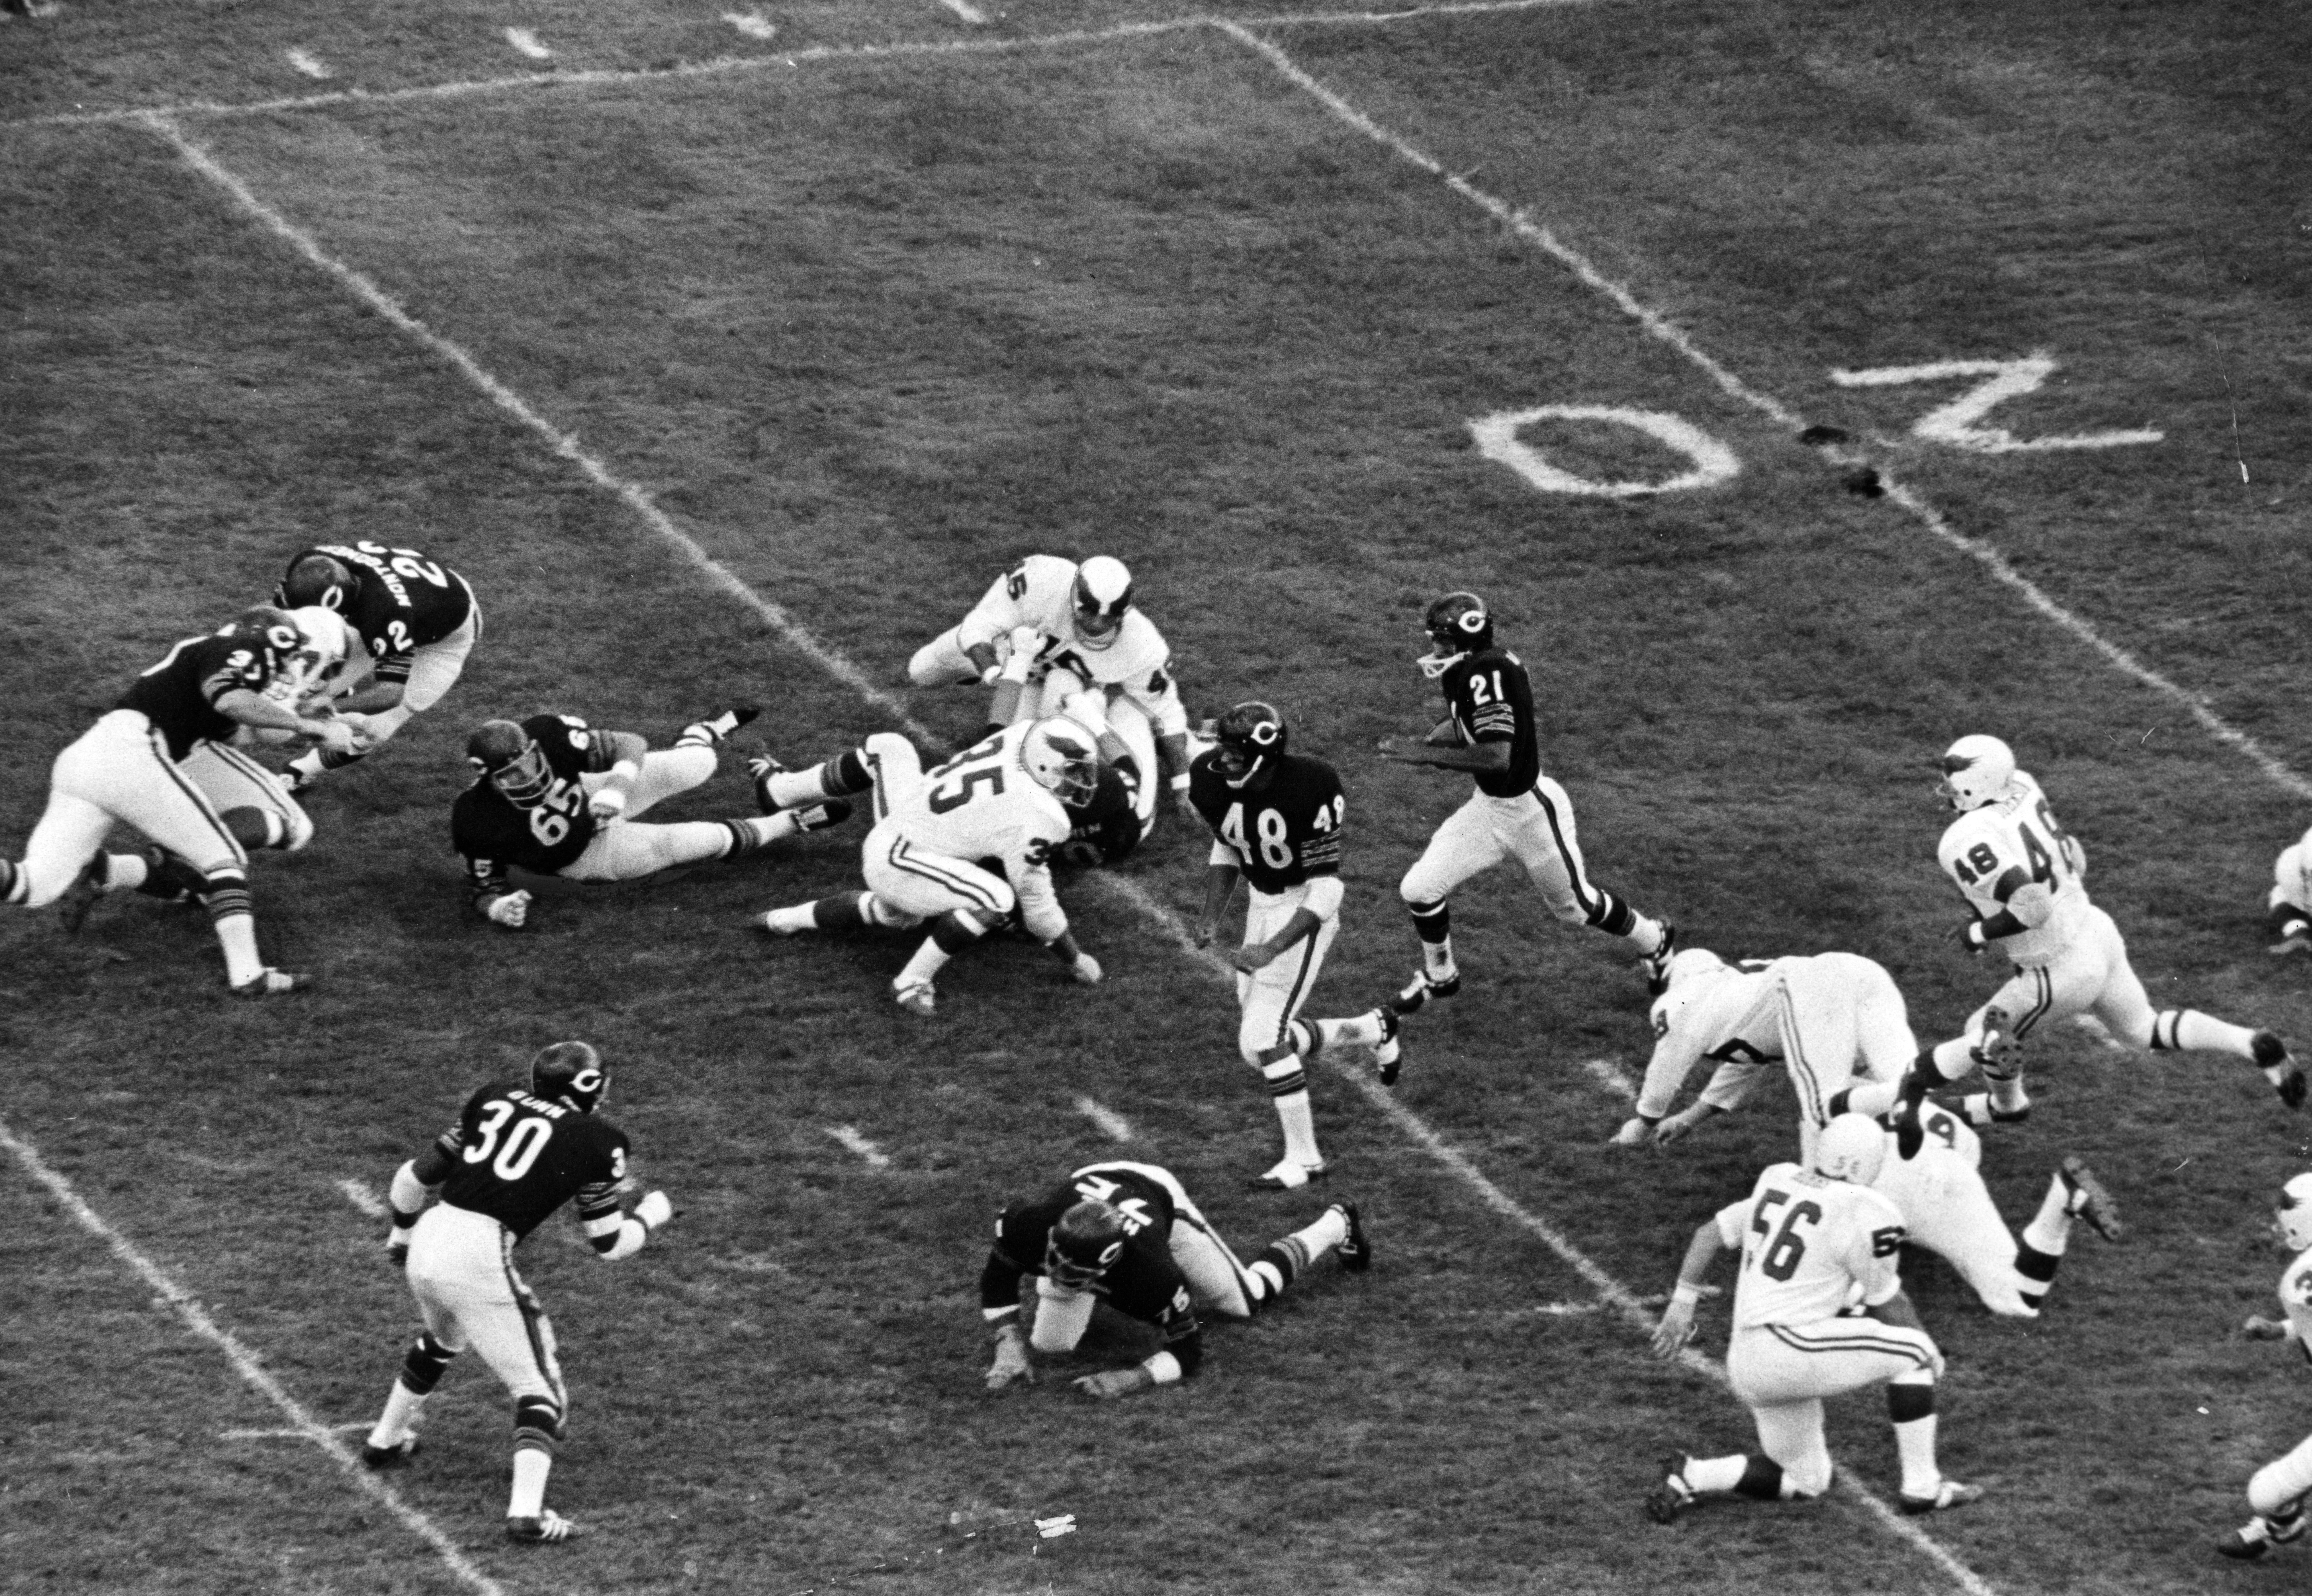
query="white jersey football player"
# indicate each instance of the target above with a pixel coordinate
(1837, 1023)
(999, 800)
(2277, 1490)
(2025, 879)
(1813, 1241)
(2289, 905)
(1050, 631)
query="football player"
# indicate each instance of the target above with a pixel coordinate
(2025, 879)
(2289, 906)
(1127, 1234)
(2277, 1490)
(1052, 637)
(128, 769)
(1277, 820)
(1837, 1024)
(556, 796)
(1491, 731)
(414, 618)
(1003, 801)
(1812, 1240)
(517, 1152)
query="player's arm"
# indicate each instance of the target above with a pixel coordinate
(620, 754)
(1322, 903)
(1222, 870)
(1983, 875)
(613, 1233)
(491, 892)
(1487, 748)
(1676, 1050)
(1729, 1087)
(1030, 874)
(999, 1308)
(1676, 1326)
(413, 1183)
(1183, 1355)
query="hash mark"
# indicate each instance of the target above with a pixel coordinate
(1610, 1075)
(524, 40)
(750, 24)
(850, 1138)
(967, 11)
(311, 65)
(357, 1193)
(1115, 1126)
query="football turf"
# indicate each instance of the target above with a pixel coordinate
(867, 327)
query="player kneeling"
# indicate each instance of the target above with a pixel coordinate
(1128, 1235)
(1811, 1240)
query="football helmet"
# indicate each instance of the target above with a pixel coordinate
(510, 758)
(265, 626)
(1085, 1244)
(2293, 1217)
(1247, 744)
(320, 655)
(1852, 1147)
(315, 579)
(1976, 771)
(1102, 596)
(1459, 625)
(1059, 756)
(572, 1072)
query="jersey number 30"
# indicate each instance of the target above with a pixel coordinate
(521, 1147)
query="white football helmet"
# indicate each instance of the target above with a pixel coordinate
(1689, 968)
(1976, 771)
(2294, 1214)
(1102, 596)
(1059, 756)
(1852, 1147)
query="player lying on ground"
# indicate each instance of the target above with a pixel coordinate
(2277, 1491)
(517, 1152)
(555, 796)
(1811, 1241)
(1127, 1234)
(999, 802)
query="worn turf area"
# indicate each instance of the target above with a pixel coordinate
(867, 327)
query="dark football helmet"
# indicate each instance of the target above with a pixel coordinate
(1459, 625)
(1085, 1244)
(264, 626)
(510, 758)
(317, 579)
(1102, 594)
(572, 1072)
(1248, 742)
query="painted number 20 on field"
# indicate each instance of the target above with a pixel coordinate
(1957, 425)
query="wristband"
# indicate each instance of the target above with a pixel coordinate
(1161, 1368)
(1180, 783)
(1686, 1296)
(628, 769)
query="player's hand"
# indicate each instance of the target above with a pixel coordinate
(2260, 1329)
(1400, 749)
(654, 1209)
(1205, 932)
(607, 803)
(1635, 1132)
(1679, 1124)
(1968, 937)
(1086, 970)
(333, 734)
(510, 910)
(1253, 957)
(1010, 1365)
(1110, 1383)
(1675, 1331)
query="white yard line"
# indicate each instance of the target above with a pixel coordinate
(310, 63)
(246, 1365)
(850, 1138)
(526, 43)
(1112, 1125)
(357, 1193)
(288, 1435)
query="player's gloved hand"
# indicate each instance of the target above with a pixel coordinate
(1253, 957)
(654, 1210)
(1011, 1363)
(2260, 1329)
(1679, 1124)
(1026, 643)
(509, 909)
(1635, 1132)
(1110, 1382)
(1970, 937)
(333, 734)
(1086, 970)
(605, 803)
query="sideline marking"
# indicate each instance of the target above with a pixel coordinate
(1663, 328)
(357, 1193)
(1111, 1123)
(848, 1135)
(246, 1365)
(310, 63)
(524, 40)
(751, 23)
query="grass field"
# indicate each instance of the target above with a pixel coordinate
(861, 312)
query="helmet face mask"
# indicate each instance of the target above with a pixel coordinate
(1852, 1147)
(1459, 625)
(2292, 1219)
(1976, 771)
(1061, 757)
(1100, 597)
(511, 760)
(570, 1072)
(1247, 745)
(1084, 1246)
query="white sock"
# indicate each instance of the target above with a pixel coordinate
(1300, 1123)
(1436, 959)
(237, 935)
(1330, 1230)
(929, 960)
(2049, 1230)
(530, 1468)
(402, 1407)
(1914, 1441)
(125, 872)
(1715, 1474)
(1364, 1030)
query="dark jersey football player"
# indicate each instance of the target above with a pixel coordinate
(1490, 731)
(1108, 826)
(519, 1151)
(416, 617)
(1277, 820)
(1127, 1234)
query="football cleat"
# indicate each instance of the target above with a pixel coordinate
(271, 984)
(2259, 1535)
(1656, 964)
(715, 730)
(1999, 1049)
(2090, 1201)
(548, 1528)
(916, 998)
(1948, 1494)
(72, 909)
(1355, 1251)
(1673, 1496)
(761, 768)
(1978, 1110)
(389, 1457)
(2286, 1076)
(1289, 1175)
(822, 815)
(1389, 1053)
(1423, 988)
